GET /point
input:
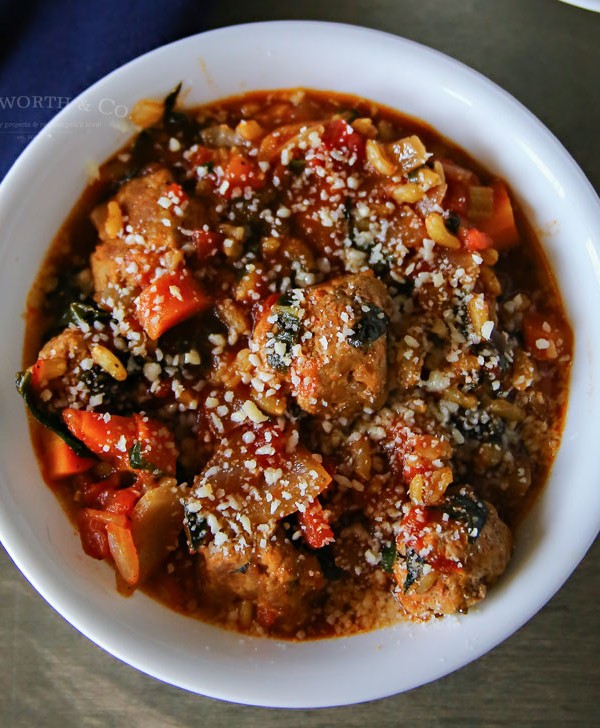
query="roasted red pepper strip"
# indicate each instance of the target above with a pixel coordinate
(315, 526)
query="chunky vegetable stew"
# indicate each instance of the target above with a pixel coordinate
(297, 365)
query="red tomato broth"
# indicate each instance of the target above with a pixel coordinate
(222, 267)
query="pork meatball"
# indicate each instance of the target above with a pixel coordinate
(329, 344)
(449, 554)
(281, 582)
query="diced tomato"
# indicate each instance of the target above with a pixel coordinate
(121, 501)
(94, 495)
(207, 244)
(177, 192)
(501, 224)
(411, 534)
(242, 172)
(201, 156)
(38, 375)
(266, 615)
(456, 198)
(60, 460)
(122, 549)
(339, 136)
(92, 530)
(409, 453)
(475, 240)
(315, 526)
(544, 335)
(168, 301)
(112, 437)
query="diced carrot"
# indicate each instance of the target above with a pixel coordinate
(60, 460)
(92, 530)
(501, 224)
(475, 240)
(168, 301)
(241, 172)
(112, 437)
(315, 526)
(124, 553)
(109, 436)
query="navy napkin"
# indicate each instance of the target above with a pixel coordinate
(51, 51)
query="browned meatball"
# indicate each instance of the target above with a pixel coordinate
(449, 555)
(138, 230)
(65, 359)
(330, 343)
(279, 581)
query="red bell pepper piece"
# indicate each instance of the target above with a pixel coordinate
(315, 526)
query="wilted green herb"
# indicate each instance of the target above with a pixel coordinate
(371, 326)
(48, 419)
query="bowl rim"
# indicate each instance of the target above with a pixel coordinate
(24, 558)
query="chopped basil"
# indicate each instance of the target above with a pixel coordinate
(86, 313)
(195, 529)
(414, 568)
(286, 330)
(469, 510)
(297, 165)
(97, 381)
(48, 419)
(389, 554)
(242, 569)
(371, 326)
(171, 100)
(452, 223)
(138, 462)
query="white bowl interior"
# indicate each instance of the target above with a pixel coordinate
(41, 189)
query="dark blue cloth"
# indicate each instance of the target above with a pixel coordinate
(51, 50)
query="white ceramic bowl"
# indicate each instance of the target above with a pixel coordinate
(41, 189)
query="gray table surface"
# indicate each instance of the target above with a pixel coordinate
(547, 55)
